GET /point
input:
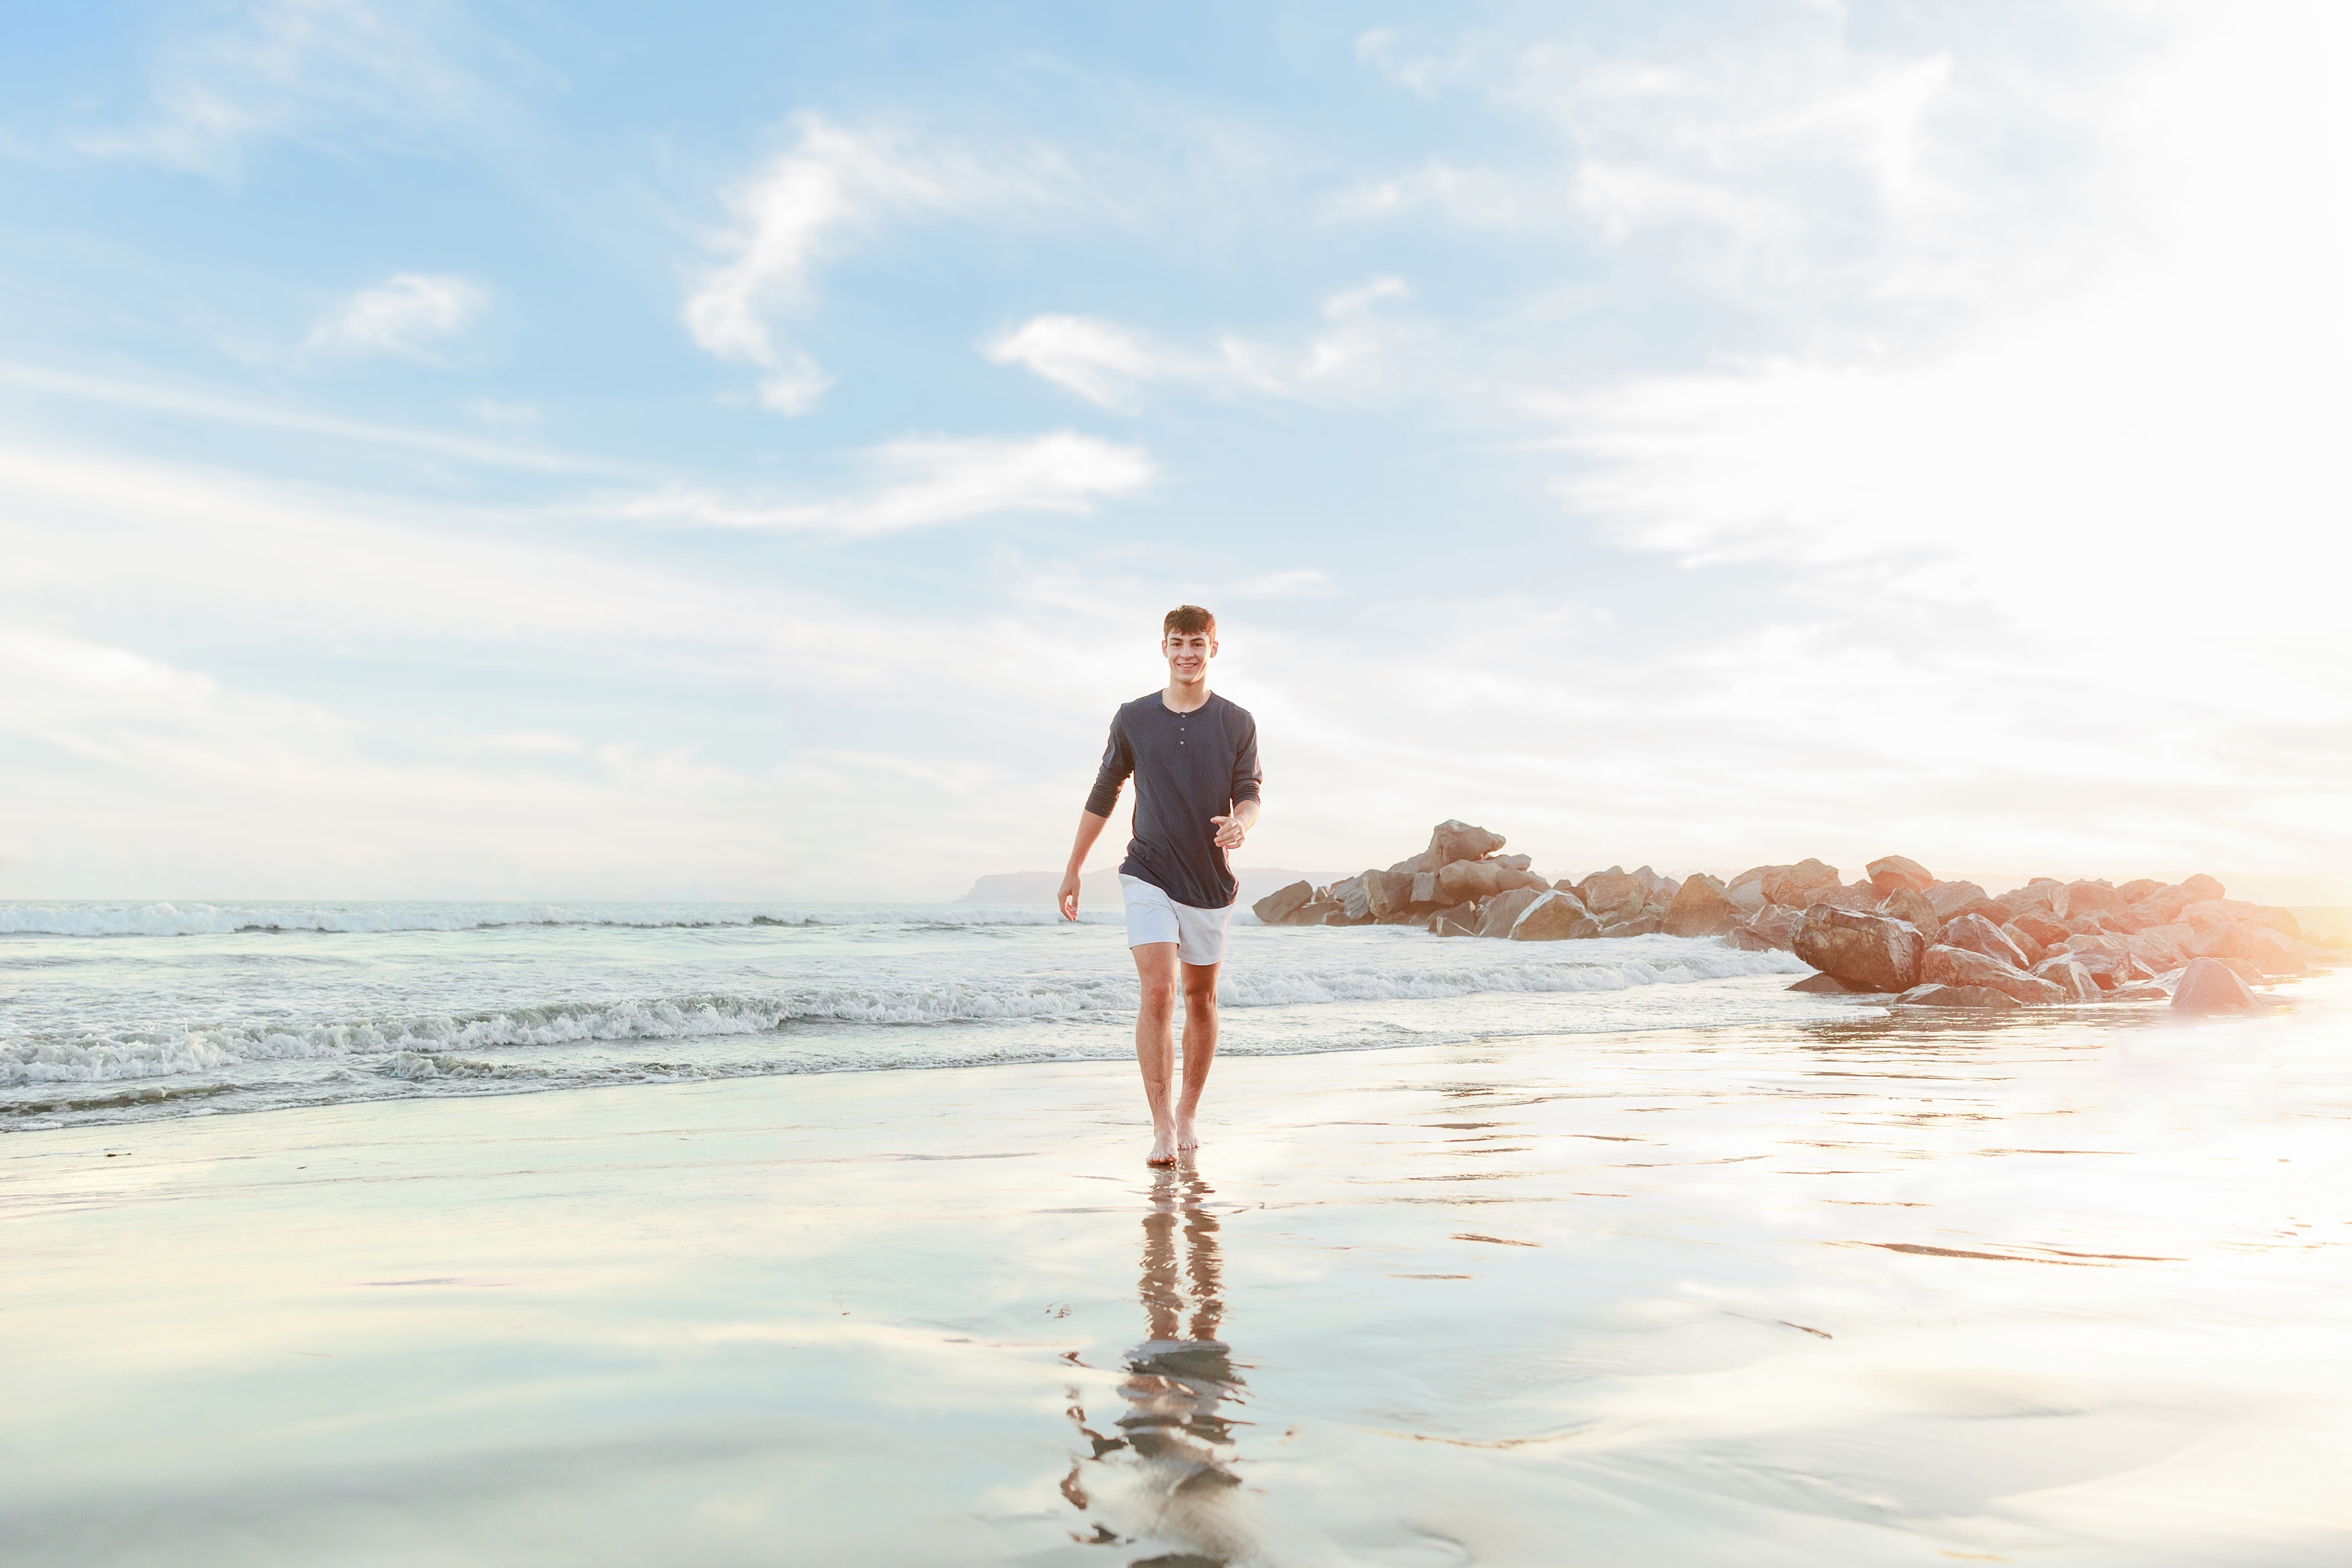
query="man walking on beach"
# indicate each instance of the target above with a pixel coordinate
(1194, 758)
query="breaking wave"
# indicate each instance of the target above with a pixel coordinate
(439, 1045)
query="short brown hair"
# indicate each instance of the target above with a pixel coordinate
(1188, 619)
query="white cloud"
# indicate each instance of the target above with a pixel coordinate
(923, 483)
(286, 67)
(1108, 364)
(831, 185)
(408, 314)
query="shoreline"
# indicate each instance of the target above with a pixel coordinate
(1865, 1292)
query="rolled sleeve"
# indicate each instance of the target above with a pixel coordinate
(1247, 774)
(1119, 762)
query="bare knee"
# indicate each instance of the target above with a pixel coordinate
(1159, 996)
(1200, 994)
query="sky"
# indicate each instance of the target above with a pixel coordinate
(510, 450)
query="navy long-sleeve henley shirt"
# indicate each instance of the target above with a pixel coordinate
(1187, 768)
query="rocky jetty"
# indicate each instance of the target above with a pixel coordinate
(1899, 931)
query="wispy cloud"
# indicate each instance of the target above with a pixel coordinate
(924, 483)
(1110, 364)
(831, 185)
(409, 315)
(281, 66)
(206, 405)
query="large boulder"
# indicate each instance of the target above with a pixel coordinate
(1613, 895)
(1910, 906)
(1284, 902)
(1699, 909)
(1553, 916)
(1747, 938)
(1867, 952)
(1892, 871)
(2038, 895)
(2034, 951)
(2208, 985)
(1461, 881)
(1661, 888)
(1993, 909)
(1389, 892)
(2214, 912)
(1799, 886)
(1495, 916)
(1644, 924)
(1775, 927)
(2041, 928)
(2084, 897)
(1984, 998)
(1819, 985)
(1945, 965)
(2203, 887)
(1745, 891)
(1978, 934)
(1949, 897)
(2139, 888)
(2068, 976)
(1425, 888)
(1454, 839)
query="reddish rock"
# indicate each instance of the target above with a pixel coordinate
(2161, 947)
(1495, 916)
(1461, 880)
(1801, 885)
(1699, 909)
(1949, 898)
(2034, 951)
(2208, 986)
(2041, 929)
(2135, 889)
(2081, 897)
(1447, 925)
(1640, 925)
(1895, 872)
(2069, 977)
(1613, 895)
(1747, 940)
(2203, 887)
(1425, 887)
(1452, 840)
(2037, 895)
(1946, 965)
(1389, 892)
(1778, 926)
(1978, 934)
(1821, 985)
(1981, 998)
(2139, 991)
(1869, 953)
(1745, 891)
(1911, 907)
(1992, 910)
(1554, 917)
(1284, 902)
(2211, 911)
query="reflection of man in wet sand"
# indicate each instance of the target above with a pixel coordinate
(1177, 1378)
(1194, 758)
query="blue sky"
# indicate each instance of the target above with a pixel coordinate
(512, 450)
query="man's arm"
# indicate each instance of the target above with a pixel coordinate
(1090, 828)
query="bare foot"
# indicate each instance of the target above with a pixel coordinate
(1187, 1135)
(1163, 1149)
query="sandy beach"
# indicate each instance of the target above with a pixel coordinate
(2068, 1288)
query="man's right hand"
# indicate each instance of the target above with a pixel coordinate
(1068, 897)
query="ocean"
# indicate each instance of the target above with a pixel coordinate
(126, 1012)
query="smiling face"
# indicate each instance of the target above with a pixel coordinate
(1188, 655)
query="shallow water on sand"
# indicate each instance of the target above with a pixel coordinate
(2047, 1289)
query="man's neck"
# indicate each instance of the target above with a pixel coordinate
(1180, 698)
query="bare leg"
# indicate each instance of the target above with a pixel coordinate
(1155, 1042)
(1199, 1047)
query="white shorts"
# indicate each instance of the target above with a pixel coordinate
(1153, 916)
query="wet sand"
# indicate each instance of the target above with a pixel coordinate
(2063, 1288)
